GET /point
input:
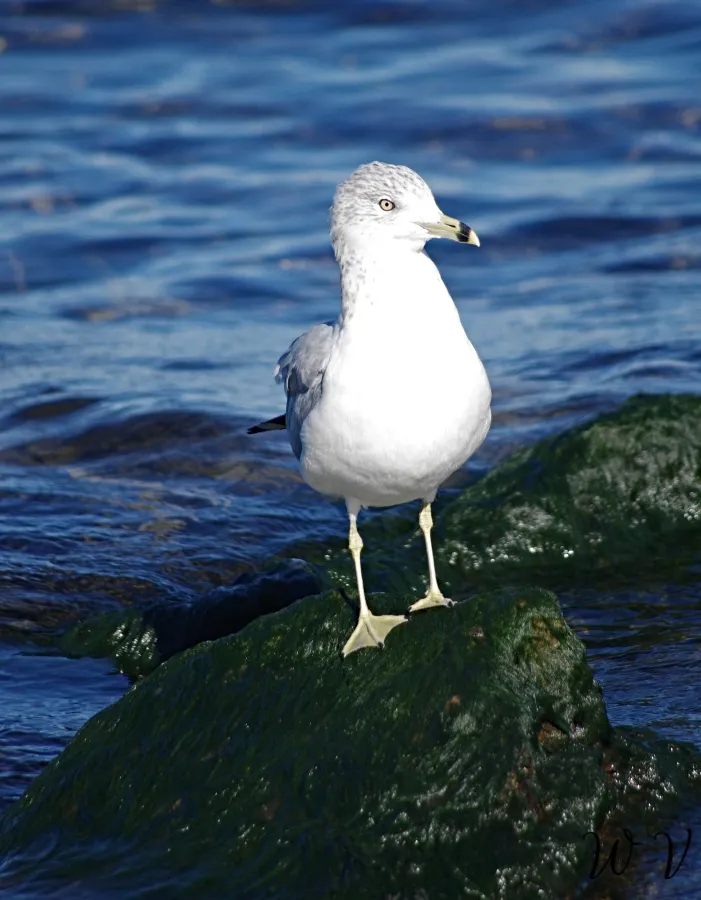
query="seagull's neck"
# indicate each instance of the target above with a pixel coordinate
(389, 278)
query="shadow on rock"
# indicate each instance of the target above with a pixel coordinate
(139, 639)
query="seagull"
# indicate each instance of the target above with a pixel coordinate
(391, 398)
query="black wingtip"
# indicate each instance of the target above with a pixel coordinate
(277, 424)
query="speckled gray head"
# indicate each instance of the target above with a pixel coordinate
(380, 202)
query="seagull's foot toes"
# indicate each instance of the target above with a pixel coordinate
(371, 631)
(432, 598)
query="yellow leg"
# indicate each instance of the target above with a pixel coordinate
(371, 630)
(433, 597)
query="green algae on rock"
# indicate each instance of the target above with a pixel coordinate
(621, 494)
(466, 759)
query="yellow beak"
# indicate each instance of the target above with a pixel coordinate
(446, 227)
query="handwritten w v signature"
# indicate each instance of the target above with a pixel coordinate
(618, 866)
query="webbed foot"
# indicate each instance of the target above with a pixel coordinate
(432, 598)
(371, 631)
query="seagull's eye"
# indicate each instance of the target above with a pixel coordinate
(386, 205)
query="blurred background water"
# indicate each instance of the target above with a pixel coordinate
(166, 170)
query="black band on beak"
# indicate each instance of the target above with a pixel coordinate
(465, 234)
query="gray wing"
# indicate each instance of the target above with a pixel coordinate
(301, 370)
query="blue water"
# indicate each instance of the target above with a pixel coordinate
(165, 175)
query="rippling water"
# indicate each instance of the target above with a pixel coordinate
(165, 175)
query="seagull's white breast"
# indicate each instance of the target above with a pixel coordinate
(405, 398)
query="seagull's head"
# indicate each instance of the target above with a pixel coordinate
(381, 203)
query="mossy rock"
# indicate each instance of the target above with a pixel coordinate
(465, 759)
(622, 493)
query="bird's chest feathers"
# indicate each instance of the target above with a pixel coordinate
(400, 355)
